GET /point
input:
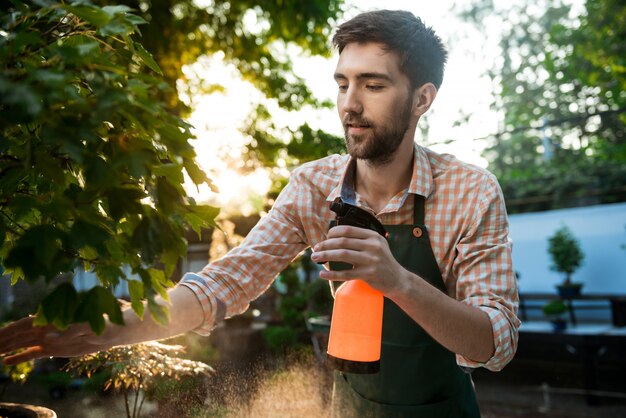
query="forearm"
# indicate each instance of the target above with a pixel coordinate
(461, 328)
(185, 311)
(78, 339)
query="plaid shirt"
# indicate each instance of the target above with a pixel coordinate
(465, 216)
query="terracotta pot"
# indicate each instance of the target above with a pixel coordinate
(16, 410)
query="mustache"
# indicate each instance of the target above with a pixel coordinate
(352, 120)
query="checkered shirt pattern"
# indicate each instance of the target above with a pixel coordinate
(465, 216)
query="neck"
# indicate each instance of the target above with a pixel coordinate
(377, 184)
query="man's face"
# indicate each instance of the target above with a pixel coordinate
(374, 101)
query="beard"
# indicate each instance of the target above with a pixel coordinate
(380, 143)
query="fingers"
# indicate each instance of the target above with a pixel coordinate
(42, 341)
(8, 332)
(368, 243)
(354, 257)
(350, 232)
(348, 244)
(350, 237)
(21, 334)
(339, 275)
(30, 353)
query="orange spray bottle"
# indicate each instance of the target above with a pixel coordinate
(357, 321)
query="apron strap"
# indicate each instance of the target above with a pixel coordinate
(418, 209)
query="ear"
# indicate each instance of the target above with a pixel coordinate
(423, 97)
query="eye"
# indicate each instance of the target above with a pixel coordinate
(374, 87)
(342, 87)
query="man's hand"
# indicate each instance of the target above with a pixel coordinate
(78, 339)
(367, 251)
(44, 341)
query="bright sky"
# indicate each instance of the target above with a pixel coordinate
(465, 91)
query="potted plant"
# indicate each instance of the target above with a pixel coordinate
(555, 311)
(11, 410)
(567, 257)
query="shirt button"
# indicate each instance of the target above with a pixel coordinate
(417, 232)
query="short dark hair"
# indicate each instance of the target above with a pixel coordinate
(422, 54)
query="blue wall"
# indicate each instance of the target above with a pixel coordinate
(601, 233)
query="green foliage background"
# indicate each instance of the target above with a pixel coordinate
(560, 75)
(91, 161)
(259, 39)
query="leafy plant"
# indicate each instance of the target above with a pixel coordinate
(299, 298)
(256, 38)
(17, 374)
(137, 369)
(566, 254)
(91, 162)
(554, 308)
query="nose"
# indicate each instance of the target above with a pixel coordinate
(350, 102)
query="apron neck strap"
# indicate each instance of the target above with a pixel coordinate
(348, 194)
(418, 209)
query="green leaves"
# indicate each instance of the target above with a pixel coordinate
(124, 201)
(91, 161)
(39, 252)
(64, 305)
(89, 13)
(59, 307)
(135, 288)
(94, 304)
(18, 373)
(201, 216)
(147, 58)
(87, 234)
(110, 20)
(159, 312)
(560, 81)
(85, 45)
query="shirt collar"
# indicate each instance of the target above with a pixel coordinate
(421, 178)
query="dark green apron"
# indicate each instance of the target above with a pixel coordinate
(418, 377)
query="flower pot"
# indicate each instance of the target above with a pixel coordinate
(569, 291)
(558, 324)
(15, 410)
(618, 310)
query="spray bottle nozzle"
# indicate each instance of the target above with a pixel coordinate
(348, 214)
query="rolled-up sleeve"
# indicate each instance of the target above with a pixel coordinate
(485, 277)
(226, 286)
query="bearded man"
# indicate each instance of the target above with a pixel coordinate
(445, 268)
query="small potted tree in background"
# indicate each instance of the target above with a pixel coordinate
(566, 257)
(555, 311)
